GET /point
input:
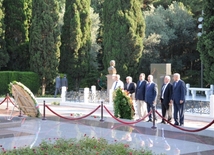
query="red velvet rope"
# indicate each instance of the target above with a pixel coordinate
(127, 122)
(8, 98)
(3, 100)
(72, 118)
(197, 130)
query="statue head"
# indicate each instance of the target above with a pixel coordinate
(112, 63)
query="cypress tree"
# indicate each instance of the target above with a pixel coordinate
(74, 59)
(205, 43)
(16, 33)
(124, 28)
(44, 40)
(3, 54)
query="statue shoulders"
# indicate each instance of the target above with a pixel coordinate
(112, 70)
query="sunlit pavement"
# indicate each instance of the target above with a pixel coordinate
(26, 131)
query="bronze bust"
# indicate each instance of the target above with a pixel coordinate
(112, 69)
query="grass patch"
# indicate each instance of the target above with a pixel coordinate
(55, 103)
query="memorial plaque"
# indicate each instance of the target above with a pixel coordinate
(159, 70)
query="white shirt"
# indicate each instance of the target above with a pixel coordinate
(163, 90)
(117, 84)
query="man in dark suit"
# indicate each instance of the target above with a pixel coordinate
(129, 85)
(57, 86)
(64, 82)
(140, 96)
(178, 97)
(130, 88)
(165, 97)
(151, 95)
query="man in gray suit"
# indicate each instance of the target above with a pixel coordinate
(58, 85)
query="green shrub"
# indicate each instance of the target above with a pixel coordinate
(122, 105)
(29, 79)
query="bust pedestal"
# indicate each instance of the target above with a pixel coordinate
(110, 82)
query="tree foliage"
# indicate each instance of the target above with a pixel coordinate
(76, 41)
(174, 29)
(123, 34)
(17, 15)
(95, 47)
(97, 5)
(44, 40)
(194, 5)
(205, 43)
(4, 57)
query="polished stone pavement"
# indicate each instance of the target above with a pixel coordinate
(26, 131)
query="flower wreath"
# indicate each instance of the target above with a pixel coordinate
(26, 89)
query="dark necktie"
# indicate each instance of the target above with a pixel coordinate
(115, 85)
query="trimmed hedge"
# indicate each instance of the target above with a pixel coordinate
(29, 79)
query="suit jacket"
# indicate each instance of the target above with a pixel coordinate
(151, 93)
(179, 92)
(140, 90)
(64, 82)
(131, 88)
(167, 94)
(58, 82)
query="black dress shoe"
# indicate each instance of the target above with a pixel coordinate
(149, 120)
(163, 122)
(176, 124)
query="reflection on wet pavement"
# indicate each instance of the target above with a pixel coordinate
(165, 139)
(25, 131)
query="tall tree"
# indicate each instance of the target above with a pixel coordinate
(45, 40)
(16, 33)
(205, 43)
(124, 28)
(3, 53)
(76, 36)
(98, 8)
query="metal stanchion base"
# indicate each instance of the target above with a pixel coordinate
(154, 127)
(20, 114)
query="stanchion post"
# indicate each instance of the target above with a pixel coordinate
(101, 119)
(43, 111)
(153, 113)
(7, 100)
(20, 112)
